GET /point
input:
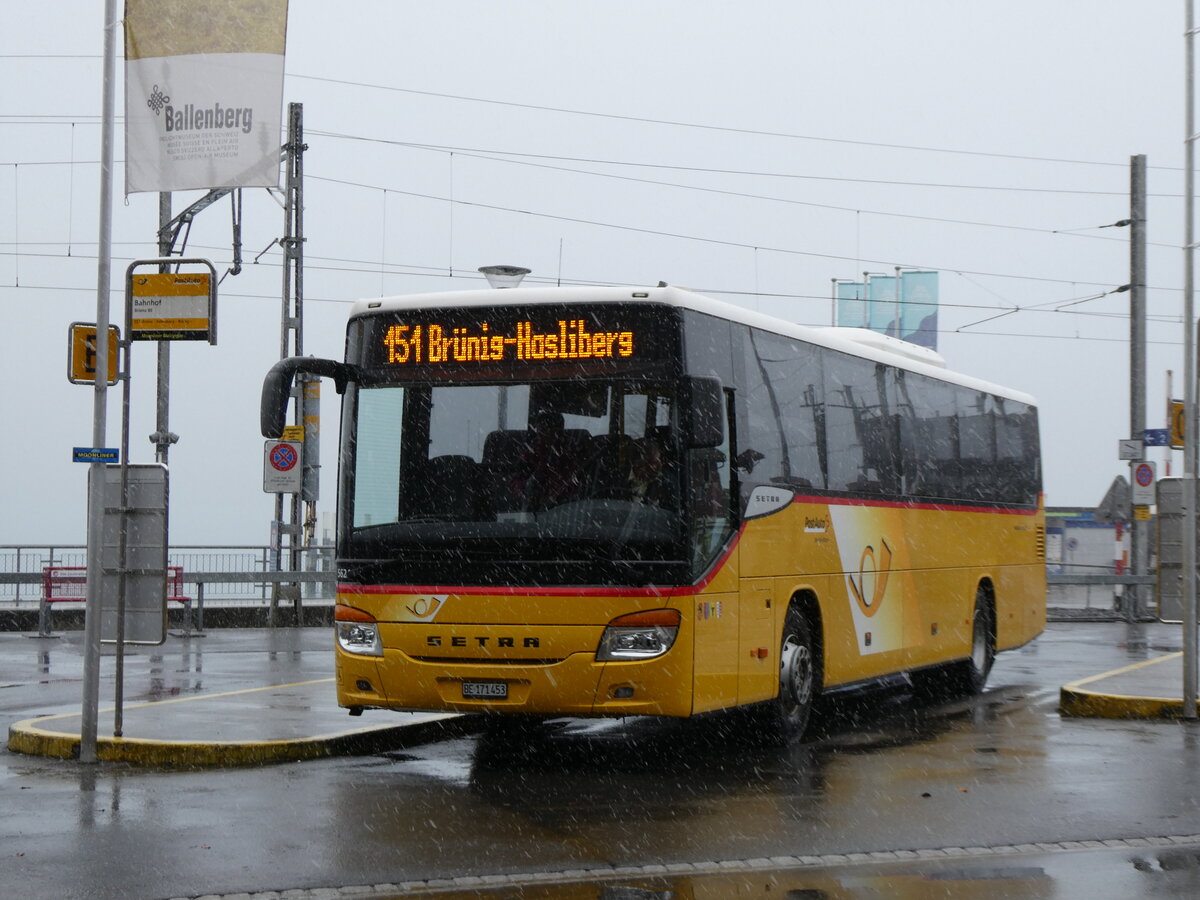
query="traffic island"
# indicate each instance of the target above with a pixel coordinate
(1144, 690)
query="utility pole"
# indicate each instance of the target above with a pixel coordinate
(1139, 537)
(1188, 482)
(162, 437)
(89, 717)
(291, 343)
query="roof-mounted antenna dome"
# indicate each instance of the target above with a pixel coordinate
(503, 276)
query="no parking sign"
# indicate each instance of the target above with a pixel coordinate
(283, 472)
(1143, 484)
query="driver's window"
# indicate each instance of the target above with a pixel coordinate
(377, 456)
(709, 481)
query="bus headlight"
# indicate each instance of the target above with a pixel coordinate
(642, 635)
(357, 631)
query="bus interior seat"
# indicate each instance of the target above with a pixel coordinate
(452, 489)
(607, 462)
(504, 451)
(505, 458)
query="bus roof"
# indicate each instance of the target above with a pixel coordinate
(856, 341)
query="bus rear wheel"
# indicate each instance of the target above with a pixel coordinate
(973, 672)
(799, 677)
(966, 677)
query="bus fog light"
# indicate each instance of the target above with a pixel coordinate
(639, 636)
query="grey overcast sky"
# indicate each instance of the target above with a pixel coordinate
(751, 150)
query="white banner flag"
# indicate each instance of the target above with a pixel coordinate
(203, 93)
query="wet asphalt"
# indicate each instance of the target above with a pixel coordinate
(407, 805)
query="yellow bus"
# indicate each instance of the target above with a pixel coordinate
(602, 501)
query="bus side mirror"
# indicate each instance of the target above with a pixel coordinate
(704, 411)
(277, 388)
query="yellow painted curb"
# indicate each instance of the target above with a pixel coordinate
(30, 736)
(1075, 700)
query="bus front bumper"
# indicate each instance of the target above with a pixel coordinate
(577, 685)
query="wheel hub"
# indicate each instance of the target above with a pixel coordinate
(795, 674)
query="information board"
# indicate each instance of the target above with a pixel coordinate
(171, 306)
(145, 568)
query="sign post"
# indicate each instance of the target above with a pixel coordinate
(89, 713)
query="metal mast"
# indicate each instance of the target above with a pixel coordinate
(1139, 532)
(297, 527)
(1189, 379)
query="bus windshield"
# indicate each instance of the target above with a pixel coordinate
(576, 482)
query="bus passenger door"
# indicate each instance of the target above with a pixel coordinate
(758, 648)
(715, 657)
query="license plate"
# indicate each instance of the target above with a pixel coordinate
(486, 690)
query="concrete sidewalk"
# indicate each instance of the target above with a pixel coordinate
(1144, 690)
(276, 723)
(228, 697)
(233, 697)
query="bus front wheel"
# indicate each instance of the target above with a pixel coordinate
(799, 677)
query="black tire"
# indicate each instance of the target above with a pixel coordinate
(799, 677)
(973, 672)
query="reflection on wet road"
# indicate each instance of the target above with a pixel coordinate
(1159, 872)
(715, 797)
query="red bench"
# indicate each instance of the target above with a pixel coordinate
(68, 584)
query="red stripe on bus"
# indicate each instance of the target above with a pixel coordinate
(911, 504)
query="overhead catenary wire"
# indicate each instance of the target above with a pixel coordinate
(744, 245)
(710, 127)
(1073, 232)
(645, 120)
(369, 267)
(539, 160)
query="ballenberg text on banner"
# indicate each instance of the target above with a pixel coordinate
(203, 93)
(189, 118)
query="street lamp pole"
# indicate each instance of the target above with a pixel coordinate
(1189, 379)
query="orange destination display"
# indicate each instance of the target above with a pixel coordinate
(478, 343)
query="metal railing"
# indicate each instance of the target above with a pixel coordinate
(235, 575)
(242, 575)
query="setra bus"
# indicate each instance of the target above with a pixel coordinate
(601, 501)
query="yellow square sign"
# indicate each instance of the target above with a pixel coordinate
(82, 353)
(1178, 422)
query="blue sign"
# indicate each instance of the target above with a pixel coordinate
(95, 454)
(1157, 437)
